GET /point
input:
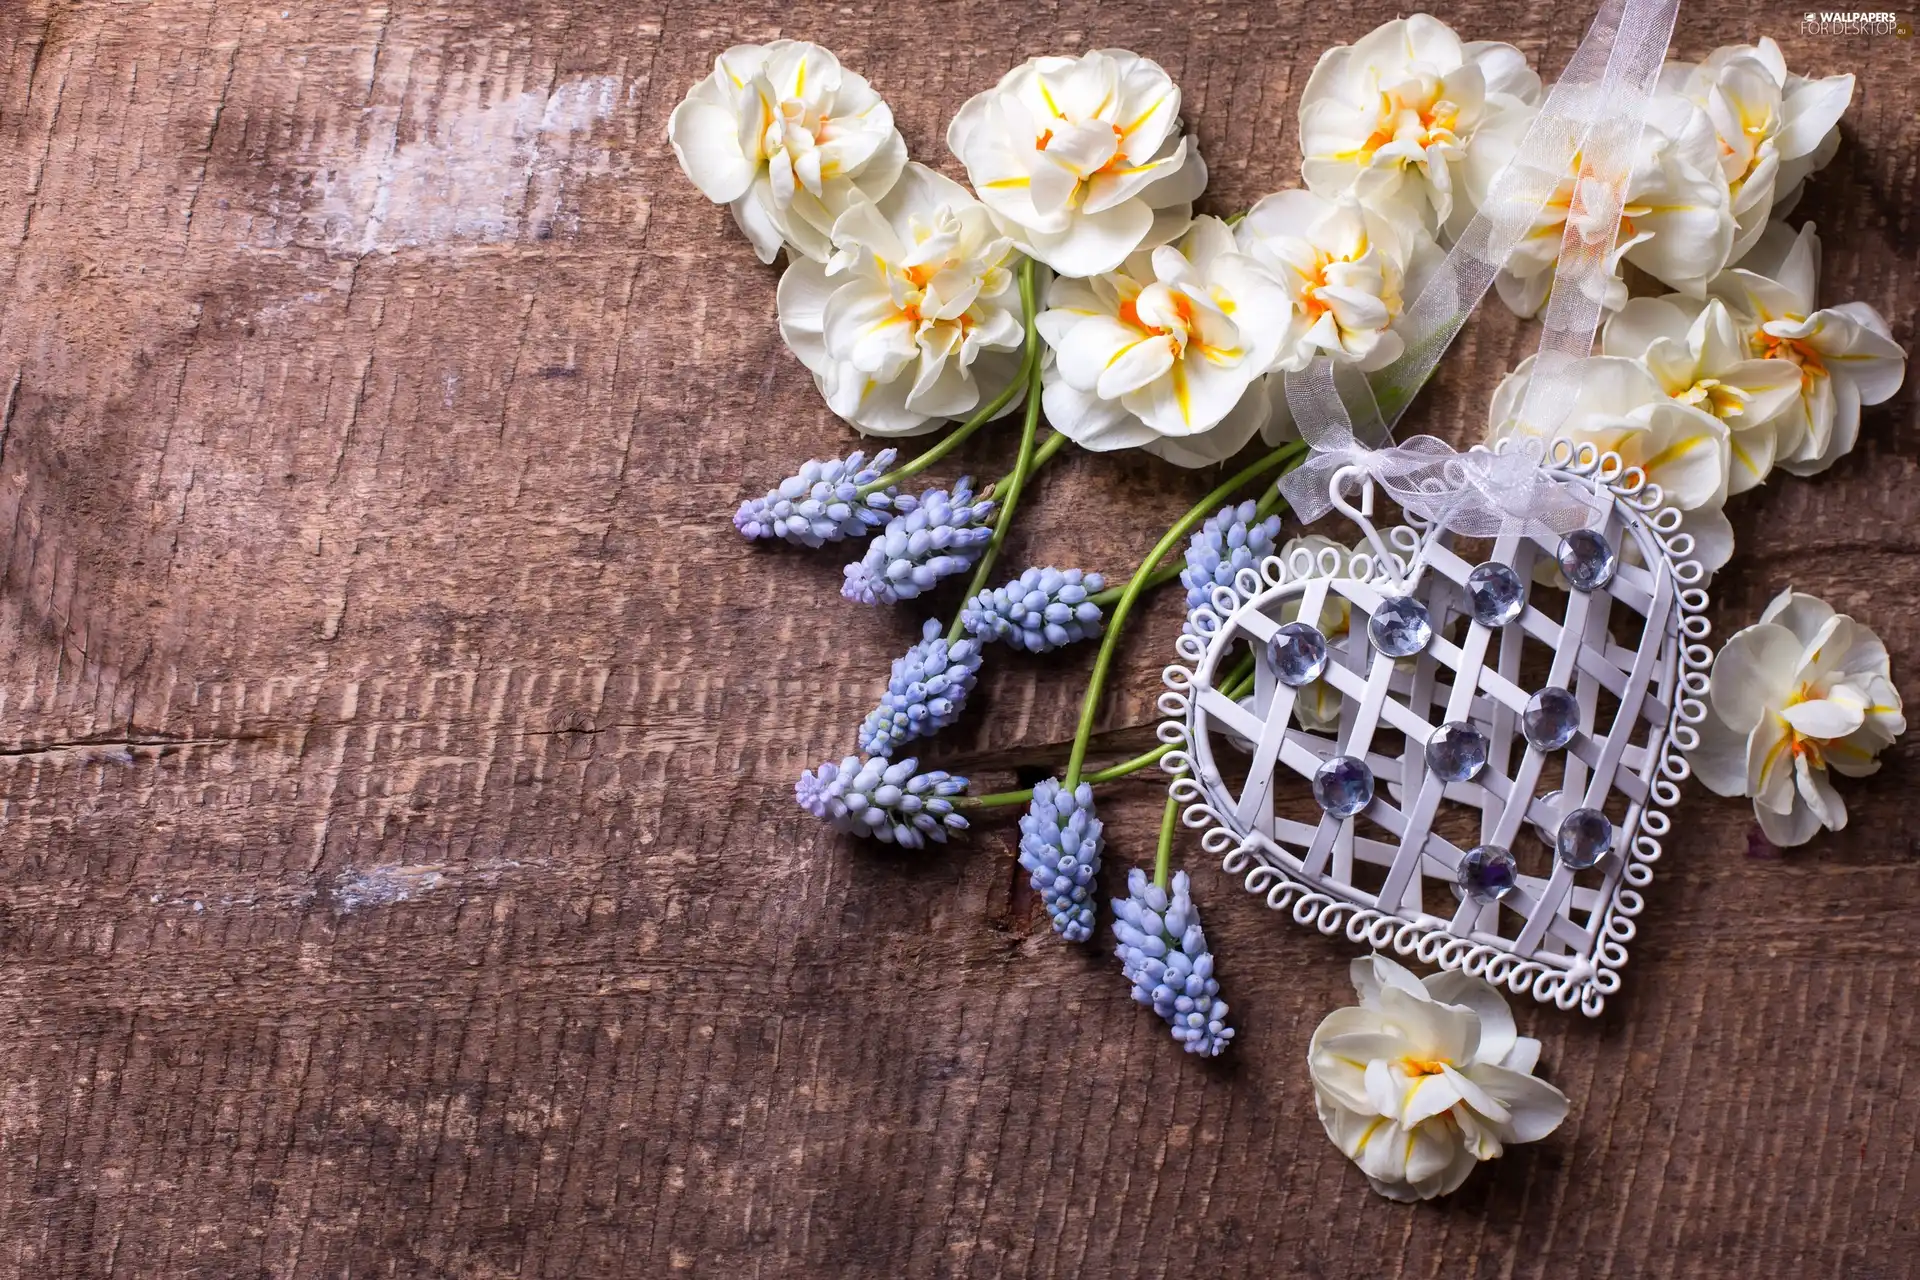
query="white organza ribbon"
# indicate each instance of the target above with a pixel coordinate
(1589, 127)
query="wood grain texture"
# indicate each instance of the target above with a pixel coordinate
(399, 874)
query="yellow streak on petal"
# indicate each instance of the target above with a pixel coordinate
(1006, 184)
(1180, 392)
(1673, 452)
(1143, 117)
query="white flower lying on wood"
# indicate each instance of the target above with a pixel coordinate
(1426, 1078)
(1774, 128)
(916, 318)
(788, 139)
(1846, 354)
(1676, 222)
(1802, 691)
(1081, 159)
(1701, 358)
(1348, 268)
(1621, 407)
(1391, 117)
(1165, 353)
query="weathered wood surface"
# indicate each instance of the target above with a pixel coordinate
(400, 873)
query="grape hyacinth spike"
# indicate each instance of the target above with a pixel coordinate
(883, 799)
(1230, 540)
(925, 693)
(822, 503)
(1164, 955)
(944, 534)
(1060, 844)
(1042, 609)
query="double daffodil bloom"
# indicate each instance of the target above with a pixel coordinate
(1081, 159)
(1802, 691)
(1846, 354)
(916, 318)
(1773, 128)
(1164, 353)
(1391, 117)
(1426, 1078)
(1700, 358)
(789, 140)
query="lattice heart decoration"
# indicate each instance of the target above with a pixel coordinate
(1493, 795)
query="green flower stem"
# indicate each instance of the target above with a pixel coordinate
(1163, 856)
(1111, 596)
(1009, 497)
(1029, 365)
(1109, 644)
(1236, 684)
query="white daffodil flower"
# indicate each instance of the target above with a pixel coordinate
(1622, 408)
(788, 139)
(1676, 222)
(1700, 358)
(1774, 128)
(1347, 267)
(916, 318)
(1802, 691)
(1165, 353)
(1426, 1078)
(1846, 354)
(1081, 159)
(1391, 117)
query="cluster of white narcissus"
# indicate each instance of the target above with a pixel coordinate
(1739, 369)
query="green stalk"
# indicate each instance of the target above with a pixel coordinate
(1029, 365)
(1024, 464)
(1109, 644)
(1163, 856)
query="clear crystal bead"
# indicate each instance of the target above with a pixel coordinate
(1551, 719)
(1587, 559)
(1457, 751)
(1585, 837)
(1298, 653)
(1400, 627)
(1496, 594)
(1487, 873)
(1343, 786)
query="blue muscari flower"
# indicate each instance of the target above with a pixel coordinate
(928, 688)
(1165, 956)
(1060, 845)
(822, 504)
(884, 799)
(1041, 610)
(1224, 545)
(944, 534)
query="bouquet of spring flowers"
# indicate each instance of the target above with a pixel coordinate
(1070, 279)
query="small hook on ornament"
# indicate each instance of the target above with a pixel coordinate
(1384, 556)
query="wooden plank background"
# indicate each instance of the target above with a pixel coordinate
(399, 873)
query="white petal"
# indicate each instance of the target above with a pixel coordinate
(1823, 718)
(1537, 1107)
(705, 141)
(1753, 674)
(1094, 243)
(1497, 1034)
(1797, 826)
(801, 302)
(1720, 761)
